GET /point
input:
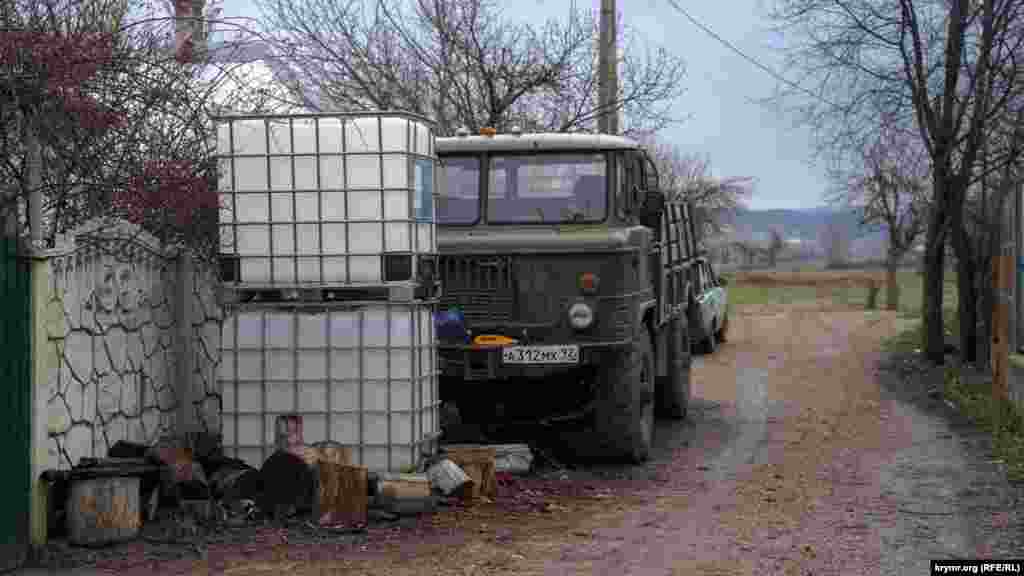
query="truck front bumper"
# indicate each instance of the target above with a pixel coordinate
(473, 363)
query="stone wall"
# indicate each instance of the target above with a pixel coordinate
(130, 344)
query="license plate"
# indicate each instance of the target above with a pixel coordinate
(541, 355)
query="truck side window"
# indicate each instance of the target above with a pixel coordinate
(621, 186)
(638, 179)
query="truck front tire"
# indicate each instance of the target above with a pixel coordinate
(674, 391)
(624, 411)
(711, 341)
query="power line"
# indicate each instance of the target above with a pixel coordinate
(745, 56)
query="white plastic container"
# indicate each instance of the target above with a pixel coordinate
(321, 198)
(364, 376)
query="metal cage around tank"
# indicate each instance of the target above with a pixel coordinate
(326, 198)
(363, 374)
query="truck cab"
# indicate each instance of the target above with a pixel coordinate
(566, 280)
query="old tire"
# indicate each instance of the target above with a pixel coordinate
(674, 390)
(624, 411)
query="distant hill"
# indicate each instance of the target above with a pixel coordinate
(806, 226)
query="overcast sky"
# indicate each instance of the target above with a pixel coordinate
(741, 138)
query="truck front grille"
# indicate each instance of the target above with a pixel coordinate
(483, 287)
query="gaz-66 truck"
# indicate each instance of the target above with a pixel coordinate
(566, 286)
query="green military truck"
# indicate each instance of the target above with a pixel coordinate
(566, 286)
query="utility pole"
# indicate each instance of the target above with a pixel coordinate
(608, 61)
(34, 180)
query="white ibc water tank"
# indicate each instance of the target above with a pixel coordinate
(363, 375)
(320, 199)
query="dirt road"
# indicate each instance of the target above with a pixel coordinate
(801, 456)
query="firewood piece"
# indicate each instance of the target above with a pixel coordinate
(403, 486)
(478, 463)
(342, 496)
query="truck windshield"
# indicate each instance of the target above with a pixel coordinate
(547, 188)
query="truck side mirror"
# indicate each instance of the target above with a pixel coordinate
(651, 207)
(654, 202)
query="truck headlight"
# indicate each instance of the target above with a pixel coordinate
(581, 315)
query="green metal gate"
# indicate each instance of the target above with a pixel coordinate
(15, 405)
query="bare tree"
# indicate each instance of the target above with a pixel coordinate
(985, 221)
(949, 69)
(462, 63)
(101, 116)
(688, 177)
(888, 185)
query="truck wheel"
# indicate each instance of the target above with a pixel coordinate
(624, 412)
(711, 342)
(723, 332)
(674, 392)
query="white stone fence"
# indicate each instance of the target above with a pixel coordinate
(125, 344)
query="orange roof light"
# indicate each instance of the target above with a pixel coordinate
(488, 131)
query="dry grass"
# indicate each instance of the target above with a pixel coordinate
(827, 290)
(810, 278)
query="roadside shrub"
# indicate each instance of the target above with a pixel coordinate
(1000, 417)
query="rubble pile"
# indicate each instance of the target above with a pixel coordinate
(194, 500)
(190, 488)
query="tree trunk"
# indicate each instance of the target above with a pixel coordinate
(967, 301)
(934, 268)
(892, 288)
(987, 298)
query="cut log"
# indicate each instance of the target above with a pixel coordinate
(478, 463)
(103, 510)
(333, 453)
(329, 452)
(342, 495)
(403, 486)
(405, 494)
